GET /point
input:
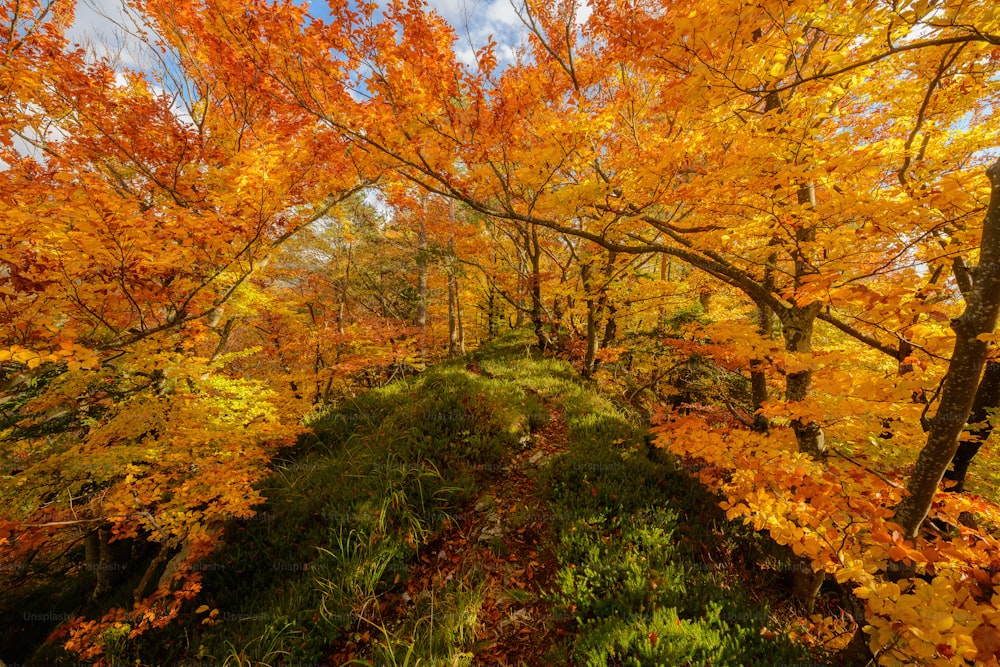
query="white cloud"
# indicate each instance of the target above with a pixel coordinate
(465, 54)
(109, 29)
(476, 21)
(103, 27)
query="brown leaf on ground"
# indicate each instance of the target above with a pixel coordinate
(519, 558)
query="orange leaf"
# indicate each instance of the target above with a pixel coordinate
(987, 641)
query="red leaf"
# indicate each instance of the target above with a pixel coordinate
(987, 641)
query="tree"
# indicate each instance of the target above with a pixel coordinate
(973, 331)
(816, 169)
(132, 220)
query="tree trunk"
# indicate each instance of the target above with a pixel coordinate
(461, 321)
(590, 360)
(557, 316)
(705, 299)
(806, 584)
(610, 328)
(968, 358)
(987, 398)
(797, 327)
(344, 294)
(797, 330)
(421, 316)
(758, 374)
(100, 558)
(535, 254)
(605, 306)
(758, 393)
(661, 311)
(492, 314)
(524, 279)
(758, 389)
(452, 315)
(591, 354)
(161, 556)
(227, 330)
(91, 549)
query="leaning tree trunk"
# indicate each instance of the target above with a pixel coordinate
(987, 398)
(962, 380)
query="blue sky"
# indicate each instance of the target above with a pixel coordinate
(474, 22)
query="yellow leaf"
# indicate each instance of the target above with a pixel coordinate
(849, 573)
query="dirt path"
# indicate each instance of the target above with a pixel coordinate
(518, 526)
(502, 540)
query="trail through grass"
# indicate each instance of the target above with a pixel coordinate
(494, 510)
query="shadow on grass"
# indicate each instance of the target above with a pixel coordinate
(648, 570)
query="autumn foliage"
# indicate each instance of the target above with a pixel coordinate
(192, 256)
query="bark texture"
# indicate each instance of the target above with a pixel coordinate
(962, 380)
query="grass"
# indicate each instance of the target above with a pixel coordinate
(636, 543)
(441, 630)
(639, 581)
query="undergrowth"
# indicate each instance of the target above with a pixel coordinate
(640, 578)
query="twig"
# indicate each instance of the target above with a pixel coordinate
(862, 465)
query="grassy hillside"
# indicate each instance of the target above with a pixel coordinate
(493, 510)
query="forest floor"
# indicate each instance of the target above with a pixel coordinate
(504, 539)
(495, 510)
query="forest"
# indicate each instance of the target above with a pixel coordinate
(677, 319)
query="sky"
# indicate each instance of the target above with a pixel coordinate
(474, 22)
(98, 24)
